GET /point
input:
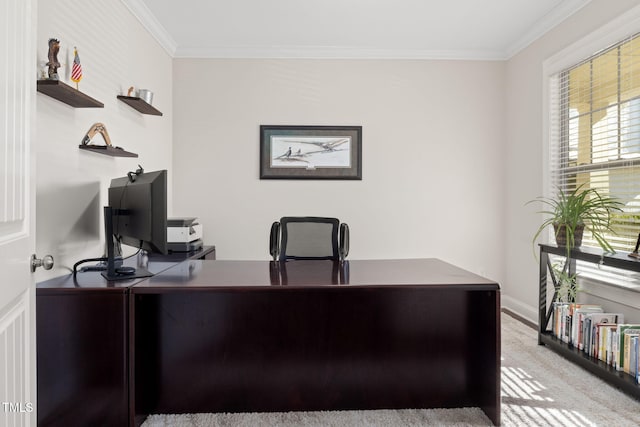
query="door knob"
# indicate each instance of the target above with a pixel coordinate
(46, 262)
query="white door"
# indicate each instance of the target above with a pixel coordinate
(17, 212)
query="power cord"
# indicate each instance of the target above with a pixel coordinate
(94, 268)
(98, 267)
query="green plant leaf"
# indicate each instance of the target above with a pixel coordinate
(582, 206)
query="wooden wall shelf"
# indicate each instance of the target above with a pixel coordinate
(67, 94)
(107, 150)
(140, 105)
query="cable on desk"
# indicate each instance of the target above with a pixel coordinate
(101, 259)
(82, 261)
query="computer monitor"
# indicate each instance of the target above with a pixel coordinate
(136, 216)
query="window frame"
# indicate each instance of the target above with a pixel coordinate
(576, 53)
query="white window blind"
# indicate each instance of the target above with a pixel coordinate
(595, 133)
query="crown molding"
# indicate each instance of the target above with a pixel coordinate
(558, 14)
(152, 25)
(334, 52)
(139, 9)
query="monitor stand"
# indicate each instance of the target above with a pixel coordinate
(119, 272)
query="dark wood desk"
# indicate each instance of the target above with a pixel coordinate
(82, 334)
(230, 336)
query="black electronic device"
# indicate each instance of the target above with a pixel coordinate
(136, 216)
(126, 270)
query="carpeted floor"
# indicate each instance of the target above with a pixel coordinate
(539, 388)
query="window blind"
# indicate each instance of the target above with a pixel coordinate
(595, 133)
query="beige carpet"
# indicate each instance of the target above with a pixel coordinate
(539, 388)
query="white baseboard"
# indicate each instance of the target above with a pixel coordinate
(521, 309)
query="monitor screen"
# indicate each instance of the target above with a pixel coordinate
(140, 205)
(136, 216)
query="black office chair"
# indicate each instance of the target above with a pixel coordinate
(309, 237)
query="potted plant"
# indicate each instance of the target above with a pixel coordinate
(571, 213)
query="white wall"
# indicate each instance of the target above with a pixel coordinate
(433, 160)
(451, 149)
(115, 52)
(524, 147)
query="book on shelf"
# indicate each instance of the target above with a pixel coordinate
(567, 320)
(559, 314)
(626, 339)
(577, 331)
(619, 344)
(591, 331)
(603, 341)
(633, 355)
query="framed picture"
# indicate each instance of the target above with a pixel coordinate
(310, 152)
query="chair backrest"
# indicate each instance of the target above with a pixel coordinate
(308, 237)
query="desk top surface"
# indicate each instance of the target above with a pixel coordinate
(93, 280)
(200, 274)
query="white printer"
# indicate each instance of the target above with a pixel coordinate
(184, 234)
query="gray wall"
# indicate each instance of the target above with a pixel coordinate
(432, 154)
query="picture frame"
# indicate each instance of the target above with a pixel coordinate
(310, 152)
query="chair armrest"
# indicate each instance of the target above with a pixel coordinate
(343, 239)
(274, 240)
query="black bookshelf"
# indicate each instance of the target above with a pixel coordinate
(621, 380)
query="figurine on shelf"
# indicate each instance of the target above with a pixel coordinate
(54, 48)
(94, 129)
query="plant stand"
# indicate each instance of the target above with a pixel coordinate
(621, 380)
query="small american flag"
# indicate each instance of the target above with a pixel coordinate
(76, 70)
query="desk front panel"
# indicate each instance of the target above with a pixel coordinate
(82, 358)
(239, 342)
